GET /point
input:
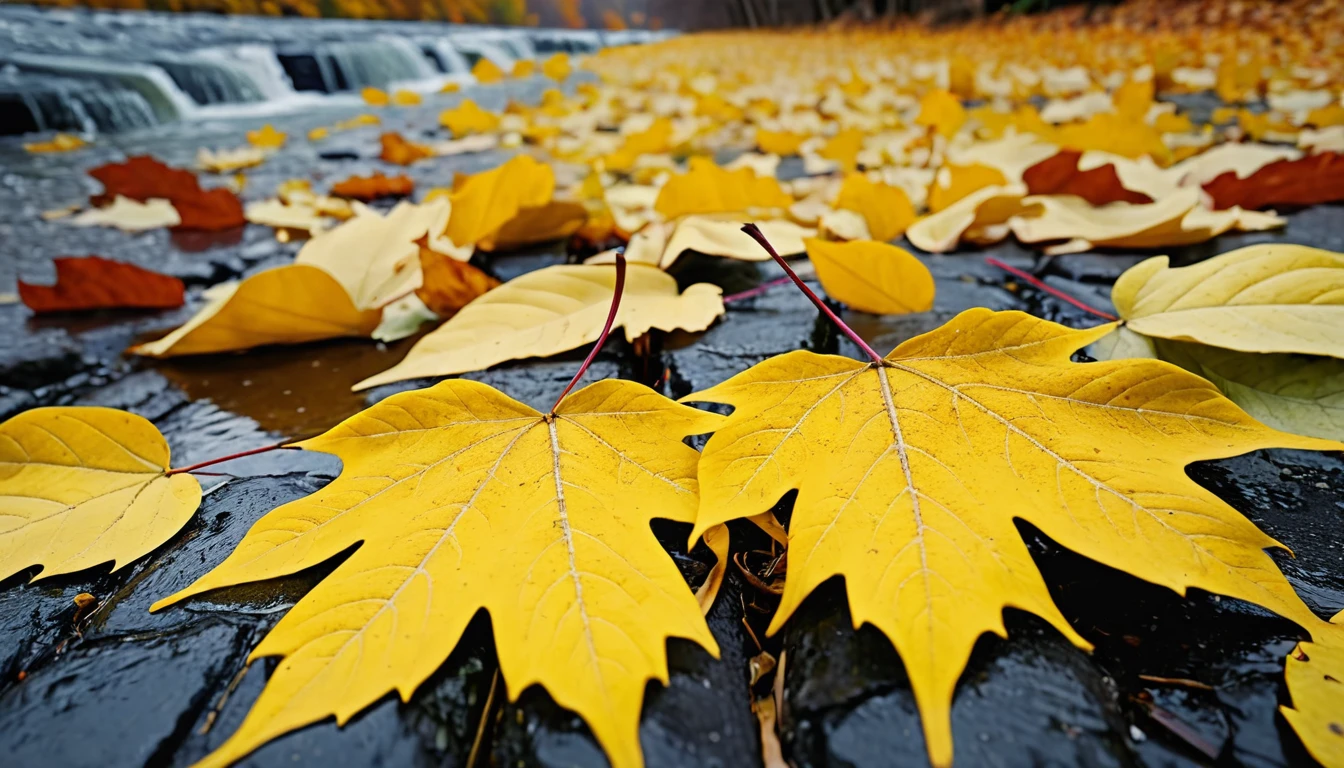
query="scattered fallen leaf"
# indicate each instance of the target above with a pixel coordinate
(783, 143)
(376, 257)
(1177, 219)
(142, 178)
(373, 187)
(129, 215)
(229, 160)
(707, 188)
(398, 151)
(474, 143)
(468, 118)
(83, 486)
(557, 67)
(267, 137)
(487, 72)
(486, 201)
(523, 68)
(450, 284)
(296, 216)
(942, 112)
(555, 220)
(1311, 180)
(358, 121)
(1261, 298)
(61, 142)
(957, 182)
(375, 97)
(886, 209)
(872, 276)
(461, 499)
(843, 224)
(319, 133)
(92, 282)
(912, 473)
(724, 237)
(549, 311)
(1059, 175)
(405, 98)
(981, 217)
(286, 305)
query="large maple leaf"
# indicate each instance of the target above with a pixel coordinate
(463, 499)
(911, 473)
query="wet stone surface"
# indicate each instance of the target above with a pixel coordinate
(1172, 681)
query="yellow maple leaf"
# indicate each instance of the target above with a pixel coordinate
(82, 486)
(912, 472)
(405, 98)
(61, 142)
(319, 133)
(286, 305)
(656, 139)
(707, 188)
(942, 112)
(1133, 99)
(375, 97)
(485, 201)
(487, 72)
(783, 143)
(1119, 135)
(267, 137)
(1315, 676)
(549, 311)
(1261, 298)
(462, 499)
(358, 121)
(557, 67)
(450, 87)
(844, 148)
(467, 118)
(886, 209)
(872, 276)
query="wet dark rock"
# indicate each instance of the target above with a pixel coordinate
(121, 701)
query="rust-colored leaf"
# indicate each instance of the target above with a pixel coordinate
(92, 282)
(449, 284)
(142, 177)
(1311, 180)
(1059, 175)
(398, 151)
(373, 187)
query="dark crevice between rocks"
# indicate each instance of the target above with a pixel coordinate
(200, 701)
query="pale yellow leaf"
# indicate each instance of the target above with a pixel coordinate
(1262, 298)
(129, 215)
(375, 257)
(83, 486)
(549, 311)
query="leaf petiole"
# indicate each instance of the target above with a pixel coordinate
(230, 457)
(1037, 283)
(758, 236)
(617, 290)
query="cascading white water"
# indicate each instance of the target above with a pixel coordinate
(158, 89)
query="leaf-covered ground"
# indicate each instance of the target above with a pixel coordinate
(1172, 681)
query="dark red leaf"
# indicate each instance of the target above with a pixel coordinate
(1059, 175)
(1311, 180)
(142, 177)
(92, 282)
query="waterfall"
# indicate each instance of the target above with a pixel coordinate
(211, 82)
(46, 102)
(167, 101)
